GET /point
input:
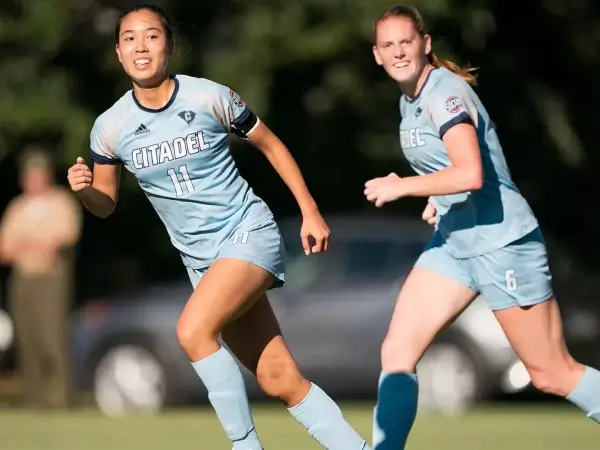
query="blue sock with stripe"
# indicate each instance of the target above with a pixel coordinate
(324, 420)
(227, 393)
(396, 410)
(586, 394)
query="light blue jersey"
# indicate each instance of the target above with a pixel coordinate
(488, 240)
(181, 158)
(472, 223)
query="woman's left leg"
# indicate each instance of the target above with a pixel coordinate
(536, 335)
(256, 340)
(517, 284)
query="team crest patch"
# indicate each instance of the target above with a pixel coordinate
(235, 98)
(188, 116)
(453, 104)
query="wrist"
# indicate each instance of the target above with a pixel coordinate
(403, 187)
(308, 208)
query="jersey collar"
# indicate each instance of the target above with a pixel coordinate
(169, 103)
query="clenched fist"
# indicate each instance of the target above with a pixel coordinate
(79, 176)
(430, 214)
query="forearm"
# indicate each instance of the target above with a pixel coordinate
(285, 165)
(448, 181)
(97, 202)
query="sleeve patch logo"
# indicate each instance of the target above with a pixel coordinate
(453, 104)
(235, 98)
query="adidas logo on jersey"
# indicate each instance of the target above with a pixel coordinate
(141, 130)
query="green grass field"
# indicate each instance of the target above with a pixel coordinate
(540, 428)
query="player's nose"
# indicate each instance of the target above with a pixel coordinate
(141, 47)
(398, 51)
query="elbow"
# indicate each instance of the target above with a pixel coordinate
(269, 150)
(474, 180)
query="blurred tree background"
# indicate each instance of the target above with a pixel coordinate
(307, 69)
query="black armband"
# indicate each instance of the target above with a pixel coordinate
(245, 126)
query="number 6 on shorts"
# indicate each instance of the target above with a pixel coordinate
(511, 281)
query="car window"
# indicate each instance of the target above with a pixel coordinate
(380, 258)
(348, 260)
(303, 271)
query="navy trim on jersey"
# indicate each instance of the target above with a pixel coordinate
(240, 121)
(416, 97)
(463, 117)
(99, 159)
(169, 103)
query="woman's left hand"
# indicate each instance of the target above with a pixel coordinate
(313, 225)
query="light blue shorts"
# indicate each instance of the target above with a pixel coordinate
(515, 275)
(261, 245)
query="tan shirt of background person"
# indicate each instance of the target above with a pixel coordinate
(39, 223)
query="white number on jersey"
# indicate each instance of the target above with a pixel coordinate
(238, 240)
(178, 184)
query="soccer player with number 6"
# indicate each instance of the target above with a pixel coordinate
(171, 132)
(486, 241)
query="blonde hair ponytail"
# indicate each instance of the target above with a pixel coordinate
(465, 74)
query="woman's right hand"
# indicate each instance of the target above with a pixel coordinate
(430, 214)
(79, 176)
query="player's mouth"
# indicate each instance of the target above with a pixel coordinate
(401, 65)
(141, 63)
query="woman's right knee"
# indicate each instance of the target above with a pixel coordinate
(427, 302)
(196, 340)
(398, 355)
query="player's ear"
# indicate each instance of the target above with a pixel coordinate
(427, 43)
(376, 55)
(118, 50)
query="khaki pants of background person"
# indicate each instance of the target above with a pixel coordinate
(40, 305)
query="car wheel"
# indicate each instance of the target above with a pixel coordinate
(129, 379)
(449, 382)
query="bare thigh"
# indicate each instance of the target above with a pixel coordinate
(427, 302)
(536, 335)
(227, 289)
(256, 340)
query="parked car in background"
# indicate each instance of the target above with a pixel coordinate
(334, 312)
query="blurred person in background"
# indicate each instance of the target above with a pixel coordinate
(487, 239)
(38, 232)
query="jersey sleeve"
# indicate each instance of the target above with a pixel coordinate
(102, 144)
(235, 115)
(450, 108)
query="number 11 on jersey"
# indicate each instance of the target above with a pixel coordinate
(177, 184)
